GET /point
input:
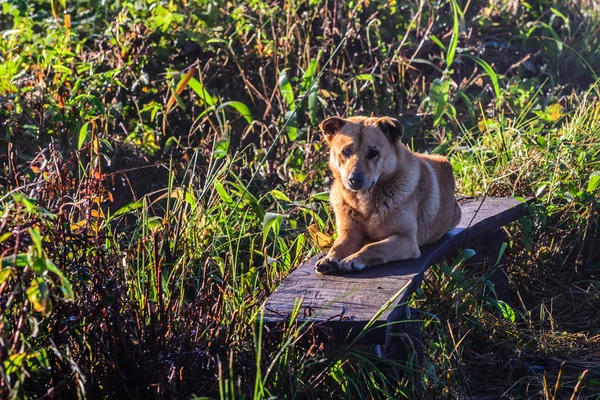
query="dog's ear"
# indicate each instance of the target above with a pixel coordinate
(392, 128)
(330, 126)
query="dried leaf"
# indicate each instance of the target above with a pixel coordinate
(322, 240)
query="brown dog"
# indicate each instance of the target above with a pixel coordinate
(387, 200)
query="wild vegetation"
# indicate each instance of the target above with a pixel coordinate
(162, 172)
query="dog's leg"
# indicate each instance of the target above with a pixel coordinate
(394, 248)
(350, 240)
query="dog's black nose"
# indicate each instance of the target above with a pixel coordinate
(356, 179)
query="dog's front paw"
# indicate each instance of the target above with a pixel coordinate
(351, 264)
(327, 265)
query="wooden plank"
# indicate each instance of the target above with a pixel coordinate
(347, 302)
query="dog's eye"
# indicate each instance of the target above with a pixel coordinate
(372, 154)
(347, 152)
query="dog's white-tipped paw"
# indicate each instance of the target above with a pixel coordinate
(351, 264)
(327, 265)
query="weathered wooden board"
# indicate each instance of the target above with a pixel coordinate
(347, 302)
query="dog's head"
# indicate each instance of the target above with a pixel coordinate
(363, 150)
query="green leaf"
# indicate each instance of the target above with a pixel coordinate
(438, 97)
(311, 72)
(339, 375)
(271, 221)
(291, 118)
(154, 223)
(455, 32)
(36, 238)
(97, 103)
(38, 294)
(177, 98)
(321, 196)
(221, 148)
(5, 274)
(128, 208)
(249, 199)
(463, 256)
(20, 260)
(62, 68)
(279, 195)
(162, 18)
(223, 194)
(217, 40)
(31, 207)
(83, 135)
(506, 310)
(202, 93)
(526, 226)
(190, 198)
(594, 182)
(240, 107)
(312, 104)
(437, 41)
(76, 86)
(65, 285)
(172, 141)
(285, 87)
(468, 103)
(14, 362)
(5, 236)
(559, 14)
(442, 148)
(555, 36)
(364, 77)
(427, 62)
(490, 72)
(491, 287)
(501, 253)
(37, 263)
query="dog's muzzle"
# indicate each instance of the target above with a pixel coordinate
(356, 181)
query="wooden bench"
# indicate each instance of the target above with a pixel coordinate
(346, 303)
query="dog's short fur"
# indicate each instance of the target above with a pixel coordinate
(388, 201)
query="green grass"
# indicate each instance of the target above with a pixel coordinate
(162, 172)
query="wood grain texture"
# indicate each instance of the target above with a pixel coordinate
(347, 302)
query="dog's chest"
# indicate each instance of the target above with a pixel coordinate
(375, 219)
